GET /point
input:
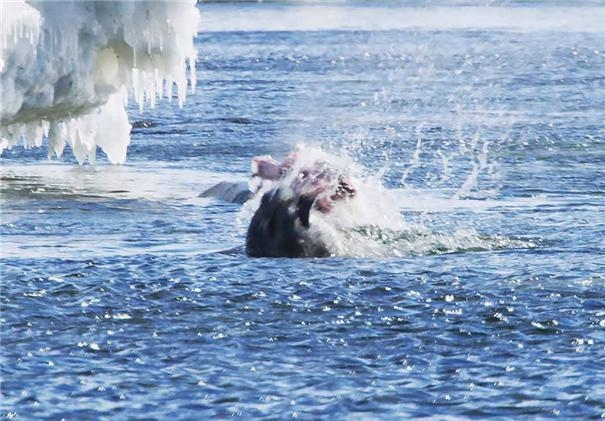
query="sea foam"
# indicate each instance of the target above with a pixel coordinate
(68, 69)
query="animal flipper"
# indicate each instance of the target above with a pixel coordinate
(303, 208)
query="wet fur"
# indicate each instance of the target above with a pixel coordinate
(280, 228)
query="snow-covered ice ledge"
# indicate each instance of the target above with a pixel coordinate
(68, 69)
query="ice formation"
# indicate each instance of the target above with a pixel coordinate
(68, 69)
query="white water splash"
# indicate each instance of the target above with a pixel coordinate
(372, 223)
(69, 67)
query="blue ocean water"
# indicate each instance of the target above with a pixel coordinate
(126, 296)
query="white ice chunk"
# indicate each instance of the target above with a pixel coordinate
(66, 65)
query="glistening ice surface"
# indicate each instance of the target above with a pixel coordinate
(126, 296)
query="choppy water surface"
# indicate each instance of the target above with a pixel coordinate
(125, 295)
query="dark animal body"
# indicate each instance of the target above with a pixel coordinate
(280, 228)
(229, 192)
